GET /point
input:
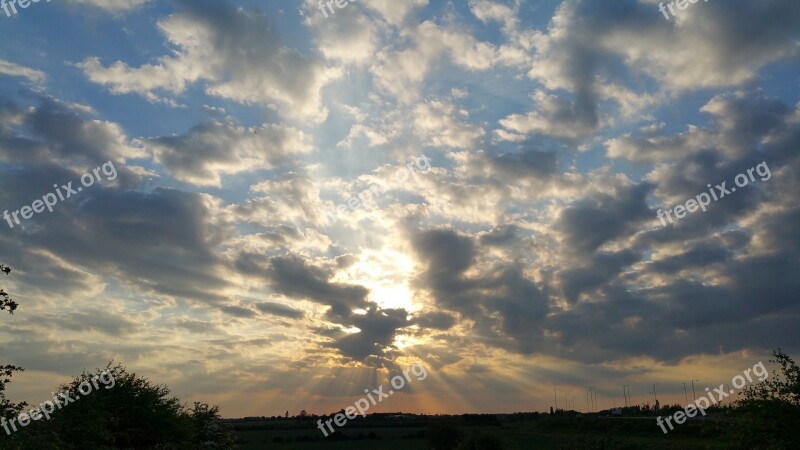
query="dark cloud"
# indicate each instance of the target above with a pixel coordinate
(279, 309)
(196, 326)
(435, 320)
(600, 270)
(238, 311)
(378, 330)
(54, 132)
(700, 256)
(213, 148)
(500, 237)
(505, 305)
(590, 222)
(97, 321)
(290, 275)
(161, 242)
(529, 163)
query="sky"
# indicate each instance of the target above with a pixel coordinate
(281, 204)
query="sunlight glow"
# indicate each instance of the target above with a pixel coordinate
(386, 274)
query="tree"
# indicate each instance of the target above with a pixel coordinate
(783, 386)
(7, 408)
(130, 413)
(209, 430)
(769, 415)
(6, 303)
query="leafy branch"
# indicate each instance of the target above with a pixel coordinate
(6, 303)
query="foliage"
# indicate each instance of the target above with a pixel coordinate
(769, 416)
(7, 408)
(6, 303)
(130, 413)
(209, 431)
(783, 386)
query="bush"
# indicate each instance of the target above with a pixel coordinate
(128, 413)
(769, 416)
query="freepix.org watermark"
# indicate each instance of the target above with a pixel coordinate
(402, 175)
(703, 200)
(64, 192)
(681, 4)
(62, 399)
(339, 4)
(691, 410)
(361, 406)
(22, 4)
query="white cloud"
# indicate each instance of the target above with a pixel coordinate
(113, 6)
(15, 70)
(235, 53)
(434, 120)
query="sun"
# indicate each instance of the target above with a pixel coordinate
(386, 273)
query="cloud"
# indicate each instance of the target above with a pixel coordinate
(554, 117)
(112, 6)
(235, 53)
(238, 311)
(591, 222)
(378, 328)
(279, 309)
(15, 70)
(435, 121)
(98, 321)
(215, 148)
(590, 50)
(292, 276)
(54, 131)
(159, 243)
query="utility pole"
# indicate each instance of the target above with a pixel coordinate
(624, 394)
(555, 396)
(588, 409)
(655, 399)
(693, 395)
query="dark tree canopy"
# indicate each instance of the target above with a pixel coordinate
(132, 414)
(769, 415)
(6, 303)
(7, 408)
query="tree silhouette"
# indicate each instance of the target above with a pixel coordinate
(130, 413)
(7, 408)
(6, 303)
(769, 415)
